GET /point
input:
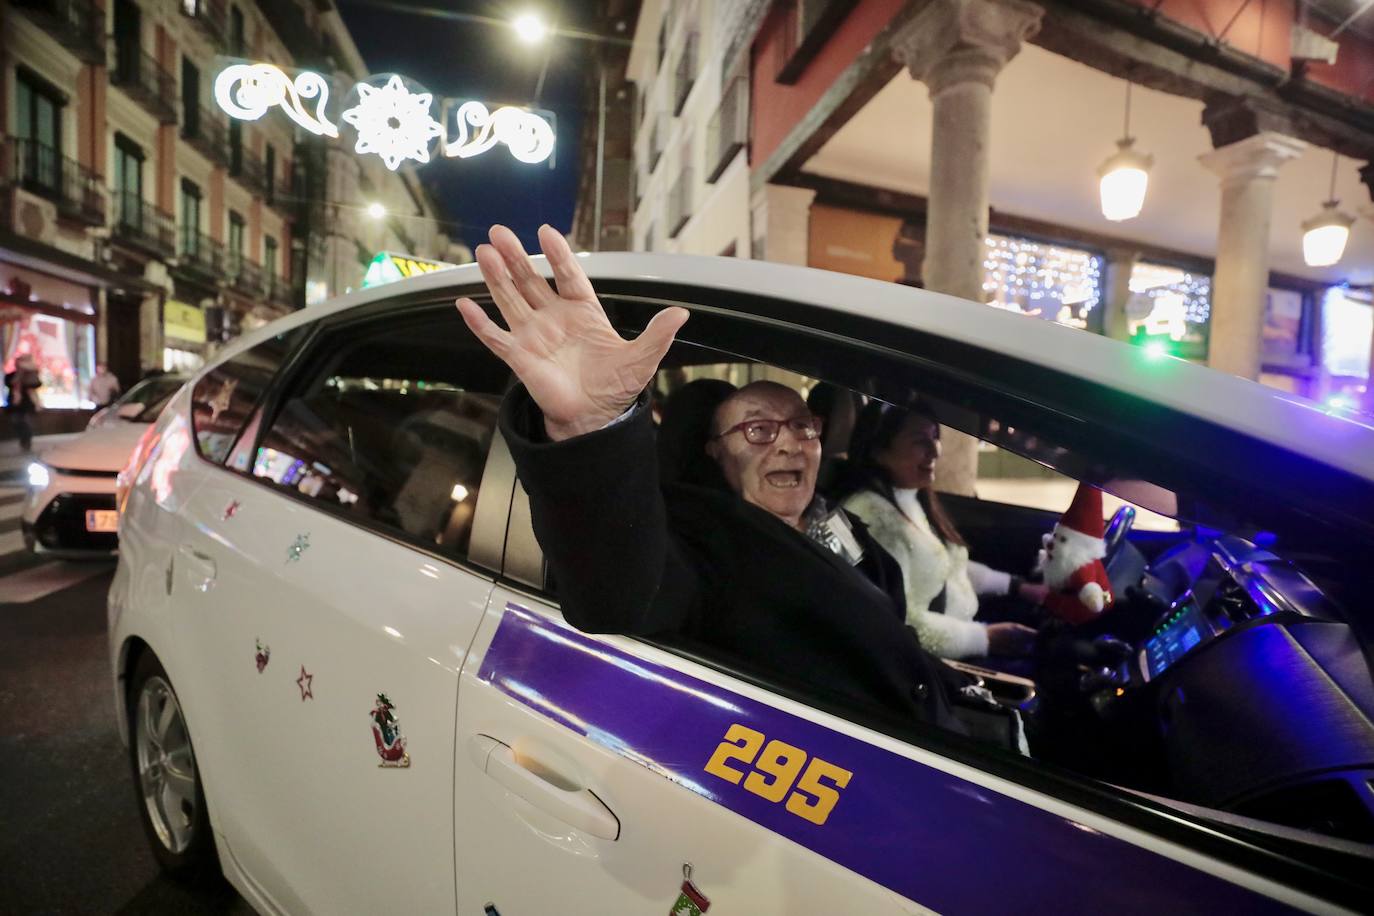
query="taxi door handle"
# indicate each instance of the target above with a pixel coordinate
(578, 808)
(200, 567)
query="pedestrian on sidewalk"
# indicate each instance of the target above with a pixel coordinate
(104, 386)
(22, 385)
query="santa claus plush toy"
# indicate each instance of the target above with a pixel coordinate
(1072, 561)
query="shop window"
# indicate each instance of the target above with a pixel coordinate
(1347, 329)
(128, 179)
(1053, 282)
(390, 426)
(223, 399)
(1169, 309)
(38, 127)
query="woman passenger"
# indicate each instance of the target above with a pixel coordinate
(893, 454)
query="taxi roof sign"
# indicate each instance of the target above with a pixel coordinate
(388, 267)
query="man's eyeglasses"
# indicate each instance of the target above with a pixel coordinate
(763, 432)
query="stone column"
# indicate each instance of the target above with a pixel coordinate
(957, 48)
(781, 217)
(1251, 141)
(1116, 291)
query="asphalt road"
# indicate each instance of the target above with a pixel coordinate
(70, 836)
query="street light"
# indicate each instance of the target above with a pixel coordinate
(1324, 235)
(1124, 177)
(529, 28)
(376, 210)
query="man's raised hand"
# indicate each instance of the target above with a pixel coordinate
(580, 372)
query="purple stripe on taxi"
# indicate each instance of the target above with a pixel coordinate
(945, 843)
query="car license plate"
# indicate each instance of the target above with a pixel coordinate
(102, 520)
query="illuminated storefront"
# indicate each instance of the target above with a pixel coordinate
(1347, 331)
(1053, 282)
(54, 321)
(1169, 309)
(183, 327)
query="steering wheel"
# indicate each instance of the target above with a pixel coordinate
(1117, 529)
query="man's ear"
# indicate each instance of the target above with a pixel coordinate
(713, 449)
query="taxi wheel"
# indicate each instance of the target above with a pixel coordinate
(171, 801)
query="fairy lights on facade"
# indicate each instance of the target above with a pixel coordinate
(392, 118)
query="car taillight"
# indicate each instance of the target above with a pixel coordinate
(125, 481)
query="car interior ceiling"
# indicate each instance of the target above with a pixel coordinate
(1267, 716)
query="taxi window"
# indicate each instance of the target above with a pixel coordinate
(389, 424)
(222, 401)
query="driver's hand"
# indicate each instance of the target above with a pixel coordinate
(1034, 592)
(1010, 639)
(580, 372)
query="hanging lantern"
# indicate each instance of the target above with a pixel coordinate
(1124, 178)
(1324, 236)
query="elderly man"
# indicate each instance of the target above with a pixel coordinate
(757, 571)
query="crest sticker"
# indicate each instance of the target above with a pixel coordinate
(386, 733)
(262, 656)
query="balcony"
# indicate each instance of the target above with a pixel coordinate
(729, 128)
(78, 25)
(42, 170)
(278, 292)
(210, 15)
(143, 79)
(686, 75)
(204, 130)
(199, 257)
(244, 276)
(680, 203)
(248, 172)
(143, 226)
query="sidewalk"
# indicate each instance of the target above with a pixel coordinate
(14, 463)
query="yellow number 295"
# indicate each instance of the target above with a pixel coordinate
(776, 771)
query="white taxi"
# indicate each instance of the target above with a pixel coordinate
(69, 510)
(345, 680)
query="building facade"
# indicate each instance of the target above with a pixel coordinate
(141, 227)
(956, 145)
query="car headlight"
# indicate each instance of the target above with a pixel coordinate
(39, 478)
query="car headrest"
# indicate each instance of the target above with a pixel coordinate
(684, 431)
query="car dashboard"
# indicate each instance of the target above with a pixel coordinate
(1245, 687)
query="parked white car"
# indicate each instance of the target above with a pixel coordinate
(328, 580)
(70, 510)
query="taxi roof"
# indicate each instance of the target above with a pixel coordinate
(1267, 414)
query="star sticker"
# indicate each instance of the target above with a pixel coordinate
(301, 545)
(303, 682)
(231, 510)
(393, 122)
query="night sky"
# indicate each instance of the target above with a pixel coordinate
(445, 46)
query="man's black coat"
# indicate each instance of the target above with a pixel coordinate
(703, 564)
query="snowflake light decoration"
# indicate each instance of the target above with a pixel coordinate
(393, 122)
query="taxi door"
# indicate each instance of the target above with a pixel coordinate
(601, 775)
(325, 644)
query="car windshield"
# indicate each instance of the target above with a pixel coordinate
(151, 395)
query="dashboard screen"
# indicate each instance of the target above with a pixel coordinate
(1172, 639)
